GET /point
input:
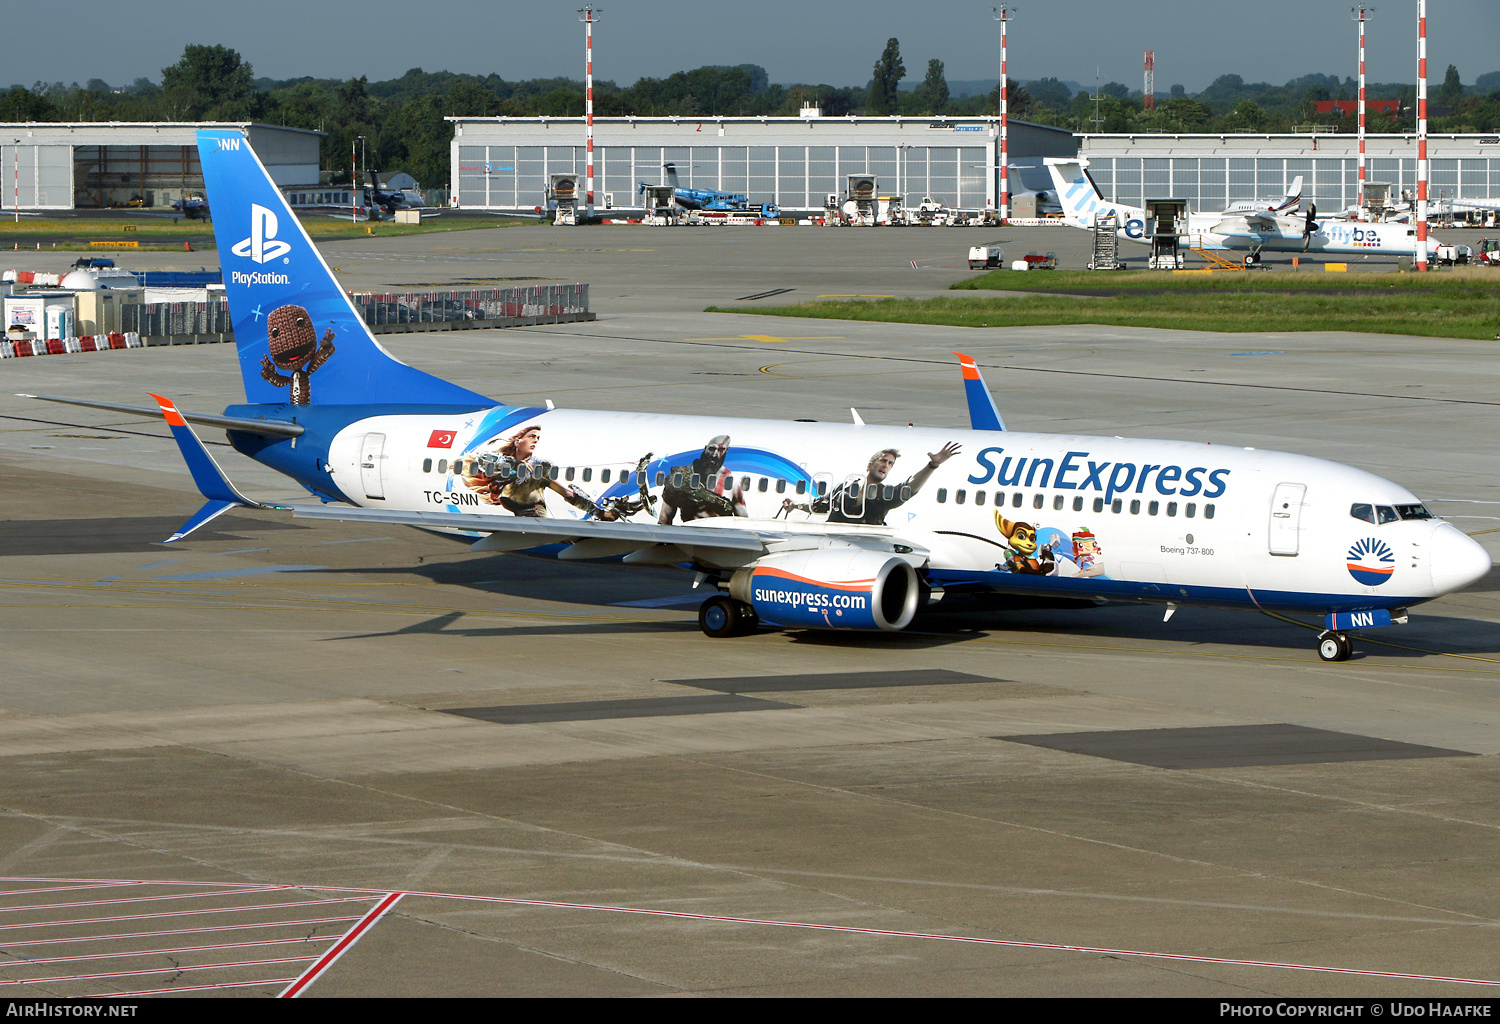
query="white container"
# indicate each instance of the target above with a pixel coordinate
(59, 321)
(1020, 265)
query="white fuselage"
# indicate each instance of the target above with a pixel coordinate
(1011, 512)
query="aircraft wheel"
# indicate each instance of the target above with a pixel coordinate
(720, 616)
(1334, 647)
(1251, 259)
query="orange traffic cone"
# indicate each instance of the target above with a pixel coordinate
(187, 246)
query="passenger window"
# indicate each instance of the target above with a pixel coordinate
(959, 496)
(1208, 511)
(1036, 501)
(942, 495)
(1135, 507)
(427, 465)
(905, 493)
(1171, 508)
(764, 484)
(604, 476)
(569, 474)
(458, 467)
(1365, 513)
(780, 486)
(1385, 514)
(1116, 505)
(1057, 503)
(822, 488)
(888, 492)
(661, 477)
(588, 473)
(1153, 508)
(801, 486)
(1016, 499)
(979, 497)
(442, 465)
(677, 479)
(698, 481)
(1098, 504)
(552, 474)
(1191, 510)
(1077, 503)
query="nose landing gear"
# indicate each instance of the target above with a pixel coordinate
(722, 616)
(1333, 646)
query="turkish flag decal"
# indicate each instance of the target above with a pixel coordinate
(440, 439)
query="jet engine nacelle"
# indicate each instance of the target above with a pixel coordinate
(830, 588)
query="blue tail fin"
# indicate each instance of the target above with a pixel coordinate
(300, 339)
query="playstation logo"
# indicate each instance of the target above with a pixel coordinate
(262, 245)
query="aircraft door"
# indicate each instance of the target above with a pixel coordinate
(371, 463)
(1286, 518)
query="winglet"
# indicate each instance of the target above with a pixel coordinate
(982, 412)
(212, 483)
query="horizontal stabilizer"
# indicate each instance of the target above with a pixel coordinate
(982, 412)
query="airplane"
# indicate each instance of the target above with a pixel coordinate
(711, 200)
(193, 207)
(1287, 202)
(393, 199)
(1249, 232)
(796, 525)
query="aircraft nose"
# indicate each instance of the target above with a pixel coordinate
(1457, 560)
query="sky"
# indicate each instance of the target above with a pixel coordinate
(795, 40)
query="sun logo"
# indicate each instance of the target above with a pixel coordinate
(1371, 561)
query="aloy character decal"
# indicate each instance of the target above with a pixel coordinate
(512, 477)
(294, 347)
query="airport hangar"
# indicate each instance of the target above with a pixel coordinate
(503, 163)
(69, 165)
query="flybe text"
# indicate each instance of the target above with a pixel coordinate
(1077, 472)
(258, 277)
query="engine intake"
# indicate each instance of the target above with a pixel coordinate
(830, 588)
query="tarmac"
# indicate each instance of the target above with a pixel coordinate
(236, 746)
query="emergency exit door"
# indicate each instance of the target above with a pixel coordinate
(1286, 518)
(371, 461)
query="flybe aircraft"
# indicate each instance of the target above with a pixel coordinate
(1250, 231)
(795, 525)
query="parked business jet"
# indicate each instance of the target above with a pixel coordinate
(1250, 232)
(796, 525)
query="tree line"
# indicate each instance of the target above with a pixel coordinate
(401, 119)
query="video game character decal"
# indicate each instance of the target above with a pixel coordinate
(293, 341)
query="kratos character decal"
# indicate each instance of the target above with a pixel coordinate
(294, 347)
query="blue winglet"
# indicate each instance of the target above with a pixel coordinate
(212, 483)
(982, 412)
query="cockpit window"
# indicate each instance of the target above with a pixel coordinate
(1385, 514)
(1413, 512)
(1363, 512)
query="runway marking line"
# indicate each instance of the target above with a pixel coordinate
(388, 899)
(173, 931)
(344, 944)
(772, 338)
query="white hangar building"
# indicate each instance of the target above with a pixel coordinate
(504, 163)
(1211, 171)
(66, 165)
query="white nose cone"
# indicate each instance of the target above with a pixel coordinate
(1457, 560)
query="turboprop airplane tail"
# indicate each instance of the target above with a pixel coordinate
(301, 341)
(1081, 199)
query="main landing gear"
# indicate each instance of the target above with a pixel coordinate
(721, 616)
(1334, 646)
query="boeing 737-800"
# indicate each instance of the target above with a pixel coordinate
(789, 524)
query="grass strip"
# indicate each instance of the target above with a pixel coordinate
(1472, 312)
(1313, 279)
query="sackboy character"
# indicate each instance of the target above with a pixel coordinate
(294, 347)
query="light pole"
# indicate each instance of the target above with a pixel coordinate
(1361, 15)
(1422, 136)
(1003, 14)
(16, 158)
(588, 15)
